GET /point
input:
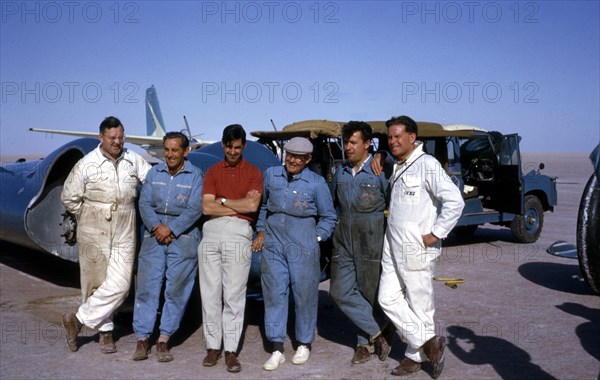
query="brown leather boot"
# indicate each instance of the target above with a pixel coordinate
(72, 328)
(383, 343)
(107, 345)
(361, 355)
(406, 367)
(434, 349)
(233, 364)
(211, 358)
(163, 354)
(141, 350)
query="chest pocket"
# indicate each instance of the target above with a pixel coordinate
(182, 195)
(369, 196)
(301, 202)
(276, 199)
(410, 190)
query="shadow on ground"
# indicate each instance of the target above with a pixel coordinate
(508, 360)
(561, 277)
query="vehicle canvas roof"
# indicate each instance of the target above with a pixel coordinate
(328, 128)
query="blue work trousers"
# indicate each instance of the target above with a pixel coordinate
(177, 263)
(291, 265)
(355, 272)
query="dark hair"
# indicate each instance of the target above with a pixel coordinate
(233, 132)
(357, 126)
(185, 142)
(410, 126)
(110, 123)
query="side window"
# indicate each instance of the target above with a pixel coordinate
(509, 154)
(451, 153)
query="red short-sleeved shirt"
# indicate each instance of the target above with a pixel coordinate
(235, 182)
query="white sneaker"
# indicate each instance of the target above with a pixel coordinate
(274, 361)
(301, 355)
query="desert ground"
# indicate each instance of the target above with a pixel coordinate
(521, 314)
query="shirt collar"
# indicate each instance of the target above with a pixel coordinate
(186, 167)
(416, 153)
(365, 166)
(302, 175)
(240, 164)
(102, 154)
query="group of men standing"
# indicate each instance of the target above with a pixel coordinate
(381, 271)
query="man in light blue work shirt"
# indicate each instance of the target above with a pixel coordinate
(296, 214)
(170, 204)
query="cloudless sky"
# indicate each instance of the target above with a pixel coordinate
(531, 67)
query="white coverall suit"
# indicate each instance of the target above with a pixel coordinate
(423, 200)
(102, 195)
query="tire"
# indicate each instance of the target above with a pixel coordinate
(526, 228)
(588, 234)
(465, 231)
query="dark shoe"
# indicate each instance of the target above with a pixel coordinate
(72, 328)
(233, 365)
(362, 355)
(141, 350)
(211, 357)
(162, 352)
(107, 345)
(383, 343)
(406, 367)
(434, 349)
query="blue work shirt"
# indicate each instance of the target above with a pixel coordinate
(289, 209)
(172, 200)
(359, 234)
(362, 193)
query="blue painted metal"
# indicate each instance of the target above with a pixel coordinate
(31, 214)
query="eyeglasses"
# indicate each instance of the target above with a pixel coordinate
(296, 157)
(114, 138)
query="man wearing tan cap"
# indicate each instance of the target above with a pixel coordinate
(296, 214)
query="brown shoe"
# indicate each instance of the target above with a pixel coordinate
(434, 349)
(383, 343)
(233, 364)
(406, 367)
(72, 328)
(211, 357)
(162, 352)
(107, 345)
(361, 355)
(141, 350)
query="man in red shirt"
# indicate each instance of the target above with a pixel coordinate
(231, 197)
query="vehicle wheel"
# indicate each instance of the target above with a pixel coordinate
(526, 228)
(588, 234)
(465, 231)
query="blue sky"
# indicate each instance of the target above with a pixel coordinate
(531, 67)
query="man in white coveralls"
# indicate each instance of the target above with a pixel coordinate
(424, 207)
(101, 191)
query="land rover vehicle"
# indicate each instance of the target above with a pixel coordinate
(486, 166)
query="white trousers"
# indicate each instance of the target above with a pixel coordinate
(224, 258)
(406, 293)
(106, 257)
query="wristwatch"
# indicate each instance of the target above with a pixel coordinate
(223, 201)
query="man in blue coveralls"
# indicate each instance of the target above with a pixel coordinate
(296, 214)
(170, 204)
(359, 195)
